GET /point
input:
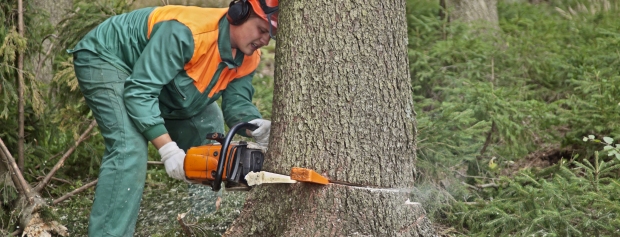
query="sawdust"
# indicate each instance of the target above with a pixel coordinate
(38, 227)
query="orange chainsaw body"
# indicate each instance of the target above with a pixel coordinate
(225, 162)
(201, 162)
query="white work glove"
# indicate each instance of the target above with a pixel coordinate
(261, 134)
(173, 158)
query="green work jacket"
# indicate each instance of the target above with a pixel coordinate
(179, 60)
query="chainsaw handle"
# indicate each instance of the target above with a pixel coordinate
(217, 183)
(218, 137)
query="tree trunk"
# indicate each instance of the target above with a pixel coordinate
(473, 11)
(42, 61)
(343, 107)
(20, 88)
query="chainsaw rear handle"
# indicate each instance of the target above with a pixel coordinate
(217, 183)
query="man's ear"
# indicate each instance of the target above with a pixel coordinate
(238, 12)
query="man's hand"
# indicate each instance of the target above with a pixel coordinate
(261, 134)
(173, 158)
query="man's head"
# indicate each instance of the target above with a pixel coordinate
(253, 22)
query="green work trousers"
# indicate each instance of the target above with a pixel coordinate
(123, 166)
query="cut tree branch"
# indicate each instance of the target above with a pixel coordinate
(76, 191)
(184, 226)
(23, 188)
(85, 135)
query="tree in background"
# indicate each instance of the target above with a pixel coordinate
(342, 106)
(472, 11)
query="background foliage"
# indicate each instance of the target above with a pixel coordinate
(501, 117)
(501, 120)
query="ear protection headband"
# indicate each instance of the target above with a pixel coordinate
(238, 12)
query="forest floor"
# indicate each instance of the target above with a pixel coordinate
(162, 203)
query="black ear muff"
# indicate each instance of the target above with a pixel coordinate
(238, 12)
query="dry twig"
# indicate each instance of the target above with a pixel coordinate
(185, 228)
(85, 135)
(76, 191)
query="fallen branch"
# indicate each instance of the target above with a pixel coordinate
(154, 163)
(23, 188)
(29, 201)
(478, 187)
(57, 179)
(491, 185)
(85, 135)
(76, 191)
(184, 227)
(474, 203)
(470, 186)
(475, 177)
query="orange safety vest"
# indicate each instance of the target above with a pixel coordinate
(203, 23)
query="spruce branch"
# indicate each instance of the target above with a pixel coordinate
(85, 135)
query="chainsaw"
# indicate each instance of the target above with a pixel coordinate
(224, 161)
(238, 164)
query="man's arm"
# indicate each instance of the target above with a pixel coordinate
(170, 47)
(237, 103)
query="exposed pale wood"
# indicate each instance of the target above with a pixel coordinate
(257, 178)
(184, 227)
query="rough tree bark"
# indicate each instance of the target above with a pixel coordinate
(343, 107)
(473, 11)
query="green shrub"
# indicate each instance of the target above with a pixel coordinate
(487, 101)
(571, 198)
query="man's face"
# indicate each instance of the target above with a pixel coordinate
(250, 36)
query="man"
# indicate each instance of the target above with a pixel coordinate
(153, 75)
